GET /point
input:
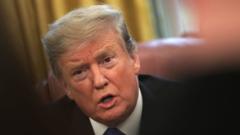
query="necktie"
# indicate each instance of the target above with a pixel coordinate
(113, 131)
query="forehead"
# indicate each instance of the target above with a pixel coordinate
(108, 40)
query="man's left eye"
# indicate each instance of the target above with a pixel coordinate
(107, 60)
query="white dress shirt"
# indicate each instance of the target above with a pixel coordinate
(130, 126)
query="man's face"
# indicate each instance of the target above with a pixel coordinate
(100, 76)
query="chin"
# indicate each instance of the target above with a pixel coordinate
(115, 116)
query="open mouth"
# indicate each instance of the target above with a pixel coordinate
(107, 102)
(106, 99)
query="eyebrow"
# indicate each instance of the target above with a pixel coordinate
(101, 54)
(82, 66)
(104, 53)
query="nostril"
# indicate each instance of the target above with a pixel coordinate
(101, 86)
(106, 84)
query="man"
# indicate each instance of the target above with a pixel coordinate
(94, 57)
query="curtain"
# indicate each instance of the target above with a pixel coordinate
(22, 34)
(26, 21)
(136, 12)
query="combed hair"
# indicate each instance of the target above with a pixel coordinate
(82, 25)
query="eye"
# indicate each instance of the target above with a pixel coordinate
(108, 61)
(80, 74)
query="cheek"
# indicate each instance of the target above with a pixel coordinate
(129, 90)
(126, 82)
(124, 74)
(82, 94)
(82, 91)
(85, 103)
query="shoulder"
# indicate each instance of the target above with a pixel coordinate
(62, 106)
(162, 92)
(164, 102)
(148, 79)
(59, 108)
(65, 117)
(57, 116)
(160, 85)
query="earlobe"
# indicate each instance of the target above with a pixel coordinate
(68, 93)
(136, 63)
(66, 89)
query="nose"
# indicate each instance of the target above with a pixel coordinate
(99, 79)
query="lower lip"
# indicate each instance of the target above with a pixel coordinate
(108, 104)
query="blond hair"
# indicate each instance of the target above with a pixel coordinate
(82, 25)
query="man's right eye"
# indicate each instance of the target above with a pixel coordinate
(77, 72)
(80, 74)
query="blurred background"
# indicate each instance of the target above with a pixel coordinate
(177, 38)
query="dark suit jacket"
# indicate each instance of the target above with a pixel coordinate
(169, 108)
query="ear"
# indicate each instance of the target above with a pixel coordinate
(136, 63)
(66, 88)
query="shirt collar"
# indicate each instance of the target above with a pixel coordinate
(130, 126)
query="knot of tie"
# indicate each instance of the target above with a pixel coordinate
(113, 131)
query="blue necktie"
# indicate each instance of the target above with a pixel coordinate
(113, 131)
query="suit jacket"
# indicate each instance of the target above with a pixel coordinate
(169, 108)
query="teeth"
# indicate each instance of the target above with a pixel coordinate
(106, 99)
